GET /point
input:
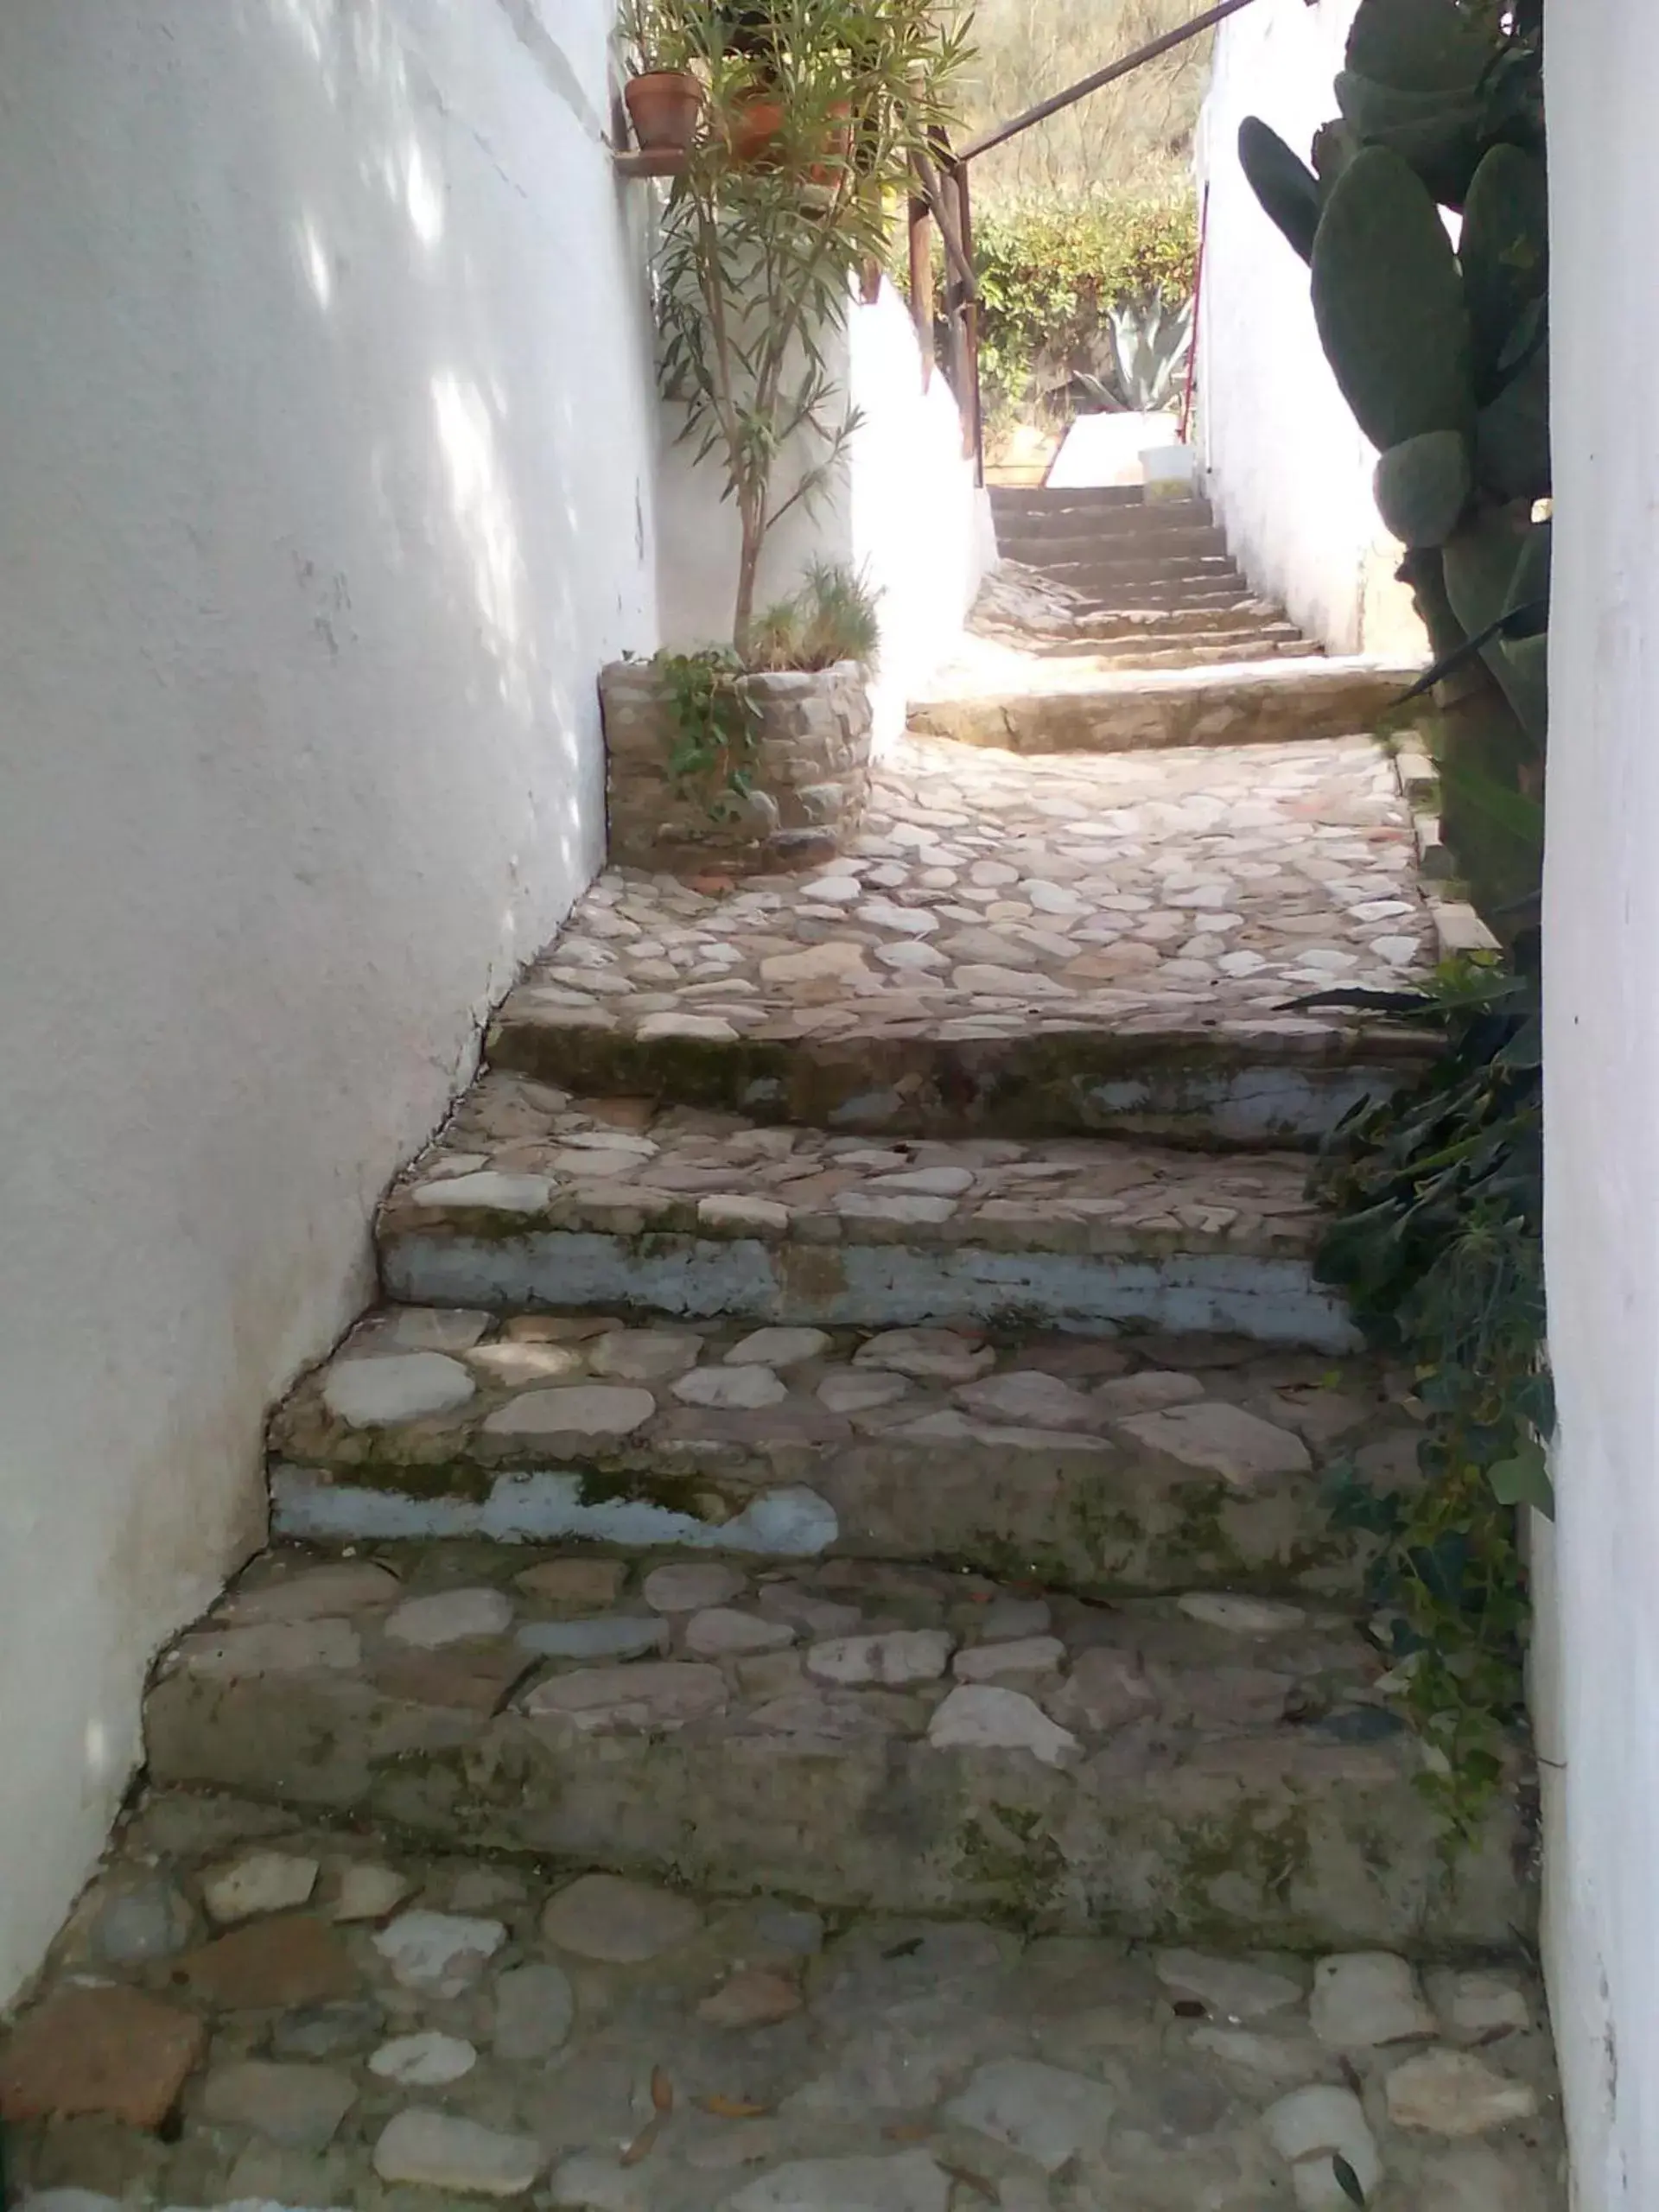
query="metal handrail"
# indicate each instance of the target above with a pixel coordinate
(937, 182)
(1001, 133)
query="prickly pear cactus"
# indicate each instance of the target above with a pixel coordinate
(1443, 352)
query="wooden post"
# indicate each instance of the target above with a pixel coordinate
(973, 434)
(921, 283)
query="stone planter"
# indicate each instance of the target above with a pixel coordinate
(809, 775)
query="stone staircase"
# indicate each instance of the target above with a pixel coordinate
(1119, 624)
(1153, 578)
(802, 1663)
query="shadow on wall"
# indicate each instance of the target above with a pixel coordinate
(513, 580)
(904, 510)
(329, 443)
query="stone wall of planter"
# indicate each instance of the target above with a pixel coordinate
(809, 773)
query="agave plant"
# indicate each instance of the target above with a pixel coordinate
(1149, 342)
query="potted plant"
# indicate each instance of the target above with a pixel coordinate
(662, 94)
(755, 752)
(760, 251)
(739, 761)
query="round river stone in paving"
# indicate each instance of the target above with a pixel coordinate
(691, 1587)
(604, 1916)
(300, 2106)
(485, 1193)
(534, 2010)
(266, 1881)
(574, 1586)
(983, 1716)
(1367, 1998)
(452, 1616)
(599, 1636)
(439, 1953)
(1454, 2093)
(739, 1389)
(314, 1593)
(778, 1348)
(737, 2053)
(424, 2062)
(373, 1393)
(440, 2151)
(1042, 2112)
(645, 1355)
(110, 2051)
(586, 1409)
(934, 1355)
(910, 2182)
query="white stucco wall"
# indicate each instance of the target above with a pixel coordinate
(325, 429)
(1598, 1661)
(1289, 471)
(906, 512)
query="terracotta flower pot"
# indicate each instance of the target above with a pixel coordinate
(663, 105)
(757, 124)
(838, 145)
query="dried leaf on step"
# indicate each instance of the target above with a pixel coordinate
(662, 2091)
(733, 2107)
(975, 2182)
(908, 2131)
(643, 2144)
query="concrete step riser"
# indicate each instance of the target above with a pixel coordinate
(1172, 580)
(1318, 699)
(1106, 520)
(1166, 1796)
(1192, 600)
(1192, 1088)
(1191, 652)
(1273, 1300)
(1044, 549)
(1044, 499)
(1155, 625)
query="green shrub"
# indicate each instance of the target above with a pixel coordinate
(833, 617)
(1051, 271)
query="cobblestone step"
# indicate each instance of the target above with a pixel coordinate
(1017, 948)
(1012, 502)
(1194, 649)
(1173, 567)
(1054, 708)
(1108, 531)
(533, 1197)
(1139, 1463)
(303, 2014)
(856, 1737)
(1245, 618)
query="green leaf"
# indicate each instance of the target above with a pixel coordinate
(1347, 2180)
(1524, 1480)
(1428, 46)
(1288, 190)
(1511, 810)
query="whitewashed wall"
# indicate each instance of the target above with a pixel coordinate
(1599, 1663)
(324, 431)
(1289, 471)
(904, 510)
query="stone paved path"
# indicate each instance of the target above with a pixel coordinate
(806, 1666)
(988, 894)
(342, 2021)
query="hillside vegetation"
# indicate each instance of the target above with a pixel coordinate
(1134, 140)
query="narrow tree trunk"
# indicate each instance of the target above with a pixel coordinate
(748, 568)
